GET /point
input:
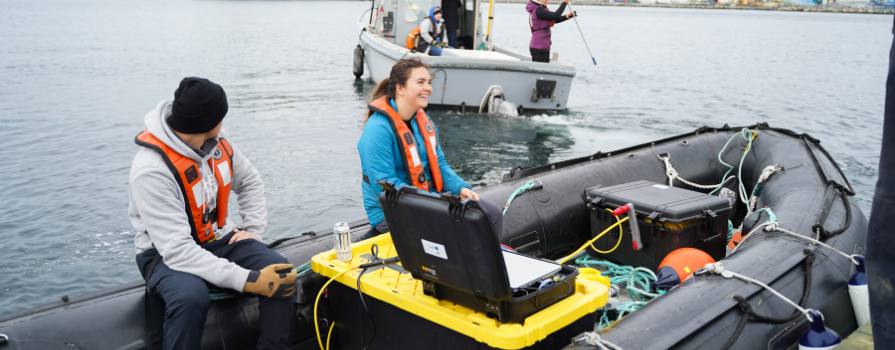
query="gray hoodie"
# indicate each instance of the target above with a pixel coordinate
(156, 207)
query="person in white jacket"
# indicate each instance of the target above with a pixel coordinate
(180, 182)
(432, 32)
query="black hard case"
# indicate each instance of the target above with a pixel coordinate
(668, 218)
(474, 275)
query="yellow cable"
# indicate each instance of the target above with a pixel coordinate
(592, 240)
(317, 300)
(330, 334)
(617, 243)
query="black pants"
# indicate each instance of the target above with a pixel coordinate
(492, 212)
(186, 297)
(540, 55)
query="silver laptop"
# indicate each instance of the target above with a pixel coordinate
(523, 271)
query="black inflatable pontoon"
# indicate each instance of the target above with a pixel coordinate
(810, 195)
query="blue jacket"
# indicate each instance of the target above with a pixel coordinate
(380, 159)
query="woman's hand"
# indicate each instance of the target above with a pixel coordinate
(468, 194)
(241, 235)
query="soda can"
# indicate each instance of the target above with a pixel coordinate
(342, 238)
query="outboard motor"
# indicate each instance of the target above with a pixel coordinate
(494, 102)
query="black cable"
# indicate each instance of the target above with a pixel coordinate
(366, 312)
(276, 243)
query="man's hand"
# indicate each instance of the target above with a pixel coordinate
(570, 14)
(565, 2)
(468, 194)
(273, 281)
(241, 235)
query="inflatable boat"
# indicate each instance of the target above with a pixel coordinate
(779, 179)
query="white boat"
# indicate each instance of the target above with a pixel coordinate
(480, 76)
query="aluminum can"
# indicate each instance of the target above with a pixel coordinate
(342, 238)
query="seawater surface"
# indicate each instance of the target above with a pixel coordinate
(76, 79)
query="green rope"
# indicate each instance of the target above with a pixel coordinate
(772, 218)
(746, 134)
(530, 184)
(730, 230)
(638, 283)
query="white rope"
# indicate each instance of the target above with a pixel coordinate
(750, 234)
(768, 171)
(594, 339)
(765, 175)
(718, 268)
(769, 226)
(672, 175)
(777, 228)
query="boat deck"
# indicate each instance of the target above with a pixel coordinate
(480, 54)
(860, 339)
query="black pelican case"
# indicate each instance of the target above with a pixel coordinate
(668, 218)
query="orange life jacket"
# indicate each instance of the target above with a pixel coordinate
(186, 171)
(408, 148)
(413, 38)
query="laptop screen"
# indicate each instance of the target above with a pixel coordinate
(523, 270)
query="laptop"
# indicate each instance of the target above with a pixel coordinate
(450, 245)
(523, 271)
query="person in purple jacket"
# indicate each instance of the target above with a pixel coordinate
(540, 19)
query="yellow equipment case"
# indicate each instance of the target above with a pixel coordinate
(384, 307)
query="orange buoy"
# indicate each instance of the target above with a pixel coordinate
(679, 265)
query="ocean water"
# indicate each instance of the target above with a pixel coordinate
(76, 79)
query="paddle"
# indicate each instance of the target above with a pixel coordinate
(575, 17)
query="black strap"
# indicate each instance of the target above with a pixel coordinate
(748, 313)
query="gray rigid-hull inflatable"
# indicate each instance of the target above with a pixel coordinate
(810, 196)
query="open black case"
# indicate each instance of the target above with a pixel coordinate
(450, 245)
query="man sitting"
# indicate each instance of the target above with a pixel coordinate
(180, 183)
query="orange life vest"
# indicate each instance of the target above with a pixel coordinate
(186, 171)
(413, 38)
(408, 148)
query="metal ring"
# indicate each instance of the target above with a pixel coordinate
(3, 338)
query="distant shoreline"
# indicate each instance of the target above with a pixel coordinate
(765, 7)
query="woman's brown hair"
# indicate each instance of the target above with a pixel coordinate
(399, 75)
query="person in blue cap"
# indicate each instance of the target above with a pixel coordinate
(432, 33)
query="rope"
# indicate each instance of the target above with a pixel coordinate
(638, 284)
(756, 190)
(672, 175)
(775, 227)
(748, 313)
(637, 280)
(772, 220)
(743, 195)
(529, 185)
(594, 339)
(751, 136)
(718, 268)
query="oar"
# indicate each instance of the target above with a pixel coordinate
(575, 17)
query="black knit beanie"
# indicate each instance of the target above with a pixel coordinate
(199, 105)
